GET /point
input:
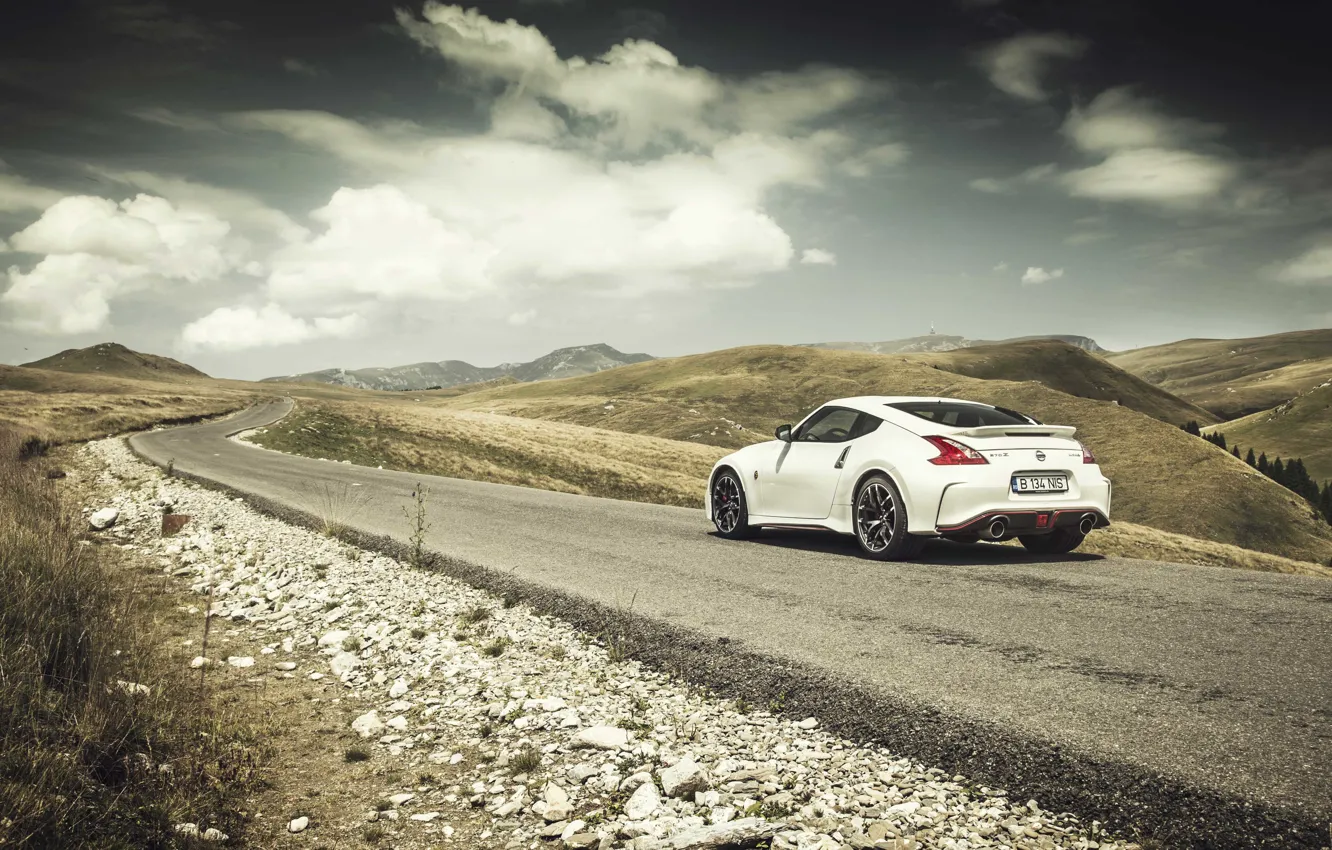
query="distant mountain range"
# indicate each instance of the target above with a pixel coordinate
(112, 358)
(944, 342)
(561, 363)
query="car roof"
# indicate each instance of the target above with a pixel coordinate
(874, 404)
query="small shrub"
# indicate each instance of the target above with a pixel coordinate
(355, 754)
(350, 644)
(418, 633)
(486, 730)
(496, 648)
(383, 805)
(556, 651)
(476, 614)
(526, 761)
(373, 834)
(511, 599)
(33, 446)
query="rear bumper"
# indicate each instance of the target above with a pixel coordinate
(1029, 520)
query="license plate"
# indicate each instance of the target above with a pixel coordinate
(1040, 483)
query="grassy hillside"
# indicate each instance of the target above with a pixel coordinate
(1164, 478)
(71, 406)
(1235, 377)
(1071, 370)
(1302, 427)
(111, 358)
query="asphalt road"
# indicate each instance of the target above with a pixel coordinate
(1221, 678)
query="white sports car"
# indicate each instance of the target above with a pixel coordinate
(896, 471)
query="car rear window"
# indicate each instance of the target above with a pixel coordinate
(960, 414)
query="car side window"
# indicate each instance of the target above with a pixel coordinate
(866, 424)
(829, 425)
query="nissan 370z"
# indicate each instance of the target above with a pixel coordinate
(897, 471)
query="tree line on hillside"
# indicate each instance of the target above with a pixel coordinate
(1290, 474)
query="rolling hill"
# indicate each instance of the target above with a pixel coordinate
(1069, 369)
(1235, 377)
(112, 358)
(1301, 427)
(1164, 477)
(561, 363)
(945, 342)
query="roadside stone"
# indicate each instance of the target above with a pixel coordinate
(602, 738)
(644, 802)
(103, 519)
(684, 778)
(241, 661)
(368, 725)
(298, 825)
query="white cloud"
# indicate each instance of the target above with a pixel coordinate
(244, 211)
(1015, 66)
(996, 186)
(239, 328)
(1001, 266)
(523, 318)
(1118, 120)
(1313, 266)
(95, 249)
(296, 66)
(1087, 237)
(818, 257)
(1155, 175)
(18, 195)
(1036, 274)
(379, 244)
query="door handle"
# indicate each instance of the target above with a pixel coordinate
(841, 459)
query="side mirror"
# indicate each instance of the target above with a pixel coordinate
(784, 433)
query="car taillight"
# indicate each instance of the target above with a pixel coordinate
(953, 453)
(1087, 456)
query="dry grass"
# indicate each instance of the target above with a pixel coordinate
(1302, 427)
(1070, 370)
(1235, 377)
(507, 450)
(1127, 540)
(88, 758)
(1164, 478)
(68, 407)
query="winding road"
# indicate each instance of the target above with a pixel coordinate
(1220, 679)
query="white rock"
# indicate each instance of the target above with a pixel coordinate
(133, 688)
(105, 518)
(644, 802)
(399, 688)
(602, 738)
(425, 817)
(286, 665)
(240, 661)
(398, 724)
(400, 799)
(573, 828)
(368, 725)
(334, 638)
(684, 778)
(343, 663)
(808, 723)
(214, 834)
(298, 825)
(198, 662)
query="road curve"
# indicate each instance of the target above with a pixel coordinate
(1221, 679)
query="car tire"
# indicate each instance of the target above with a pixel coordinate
(1061, 541)
(729, 493)
(879, 521)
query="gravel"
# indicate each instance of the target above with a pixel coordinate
(558, 742)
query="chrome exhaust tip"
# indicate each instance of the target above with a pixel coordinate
(1087, 524)
(997, 528)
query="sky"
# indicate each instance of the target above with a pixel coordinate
(263, 189)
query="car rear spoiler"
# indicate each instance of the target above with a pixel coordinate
(1016, 431)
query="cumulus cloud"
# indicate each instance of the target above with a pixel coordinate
(522, 318)
(18, 195)
(1003, 186)
(1001, 266)
(1312, 267)
(239, 328)
(1117, 119)
(379, 244)
(1155, 175)
(95, 249)
(1016, 66)
(818, 257)
(1036, 274)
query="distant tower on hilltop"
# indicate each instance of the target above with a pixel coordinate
(931, 328)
